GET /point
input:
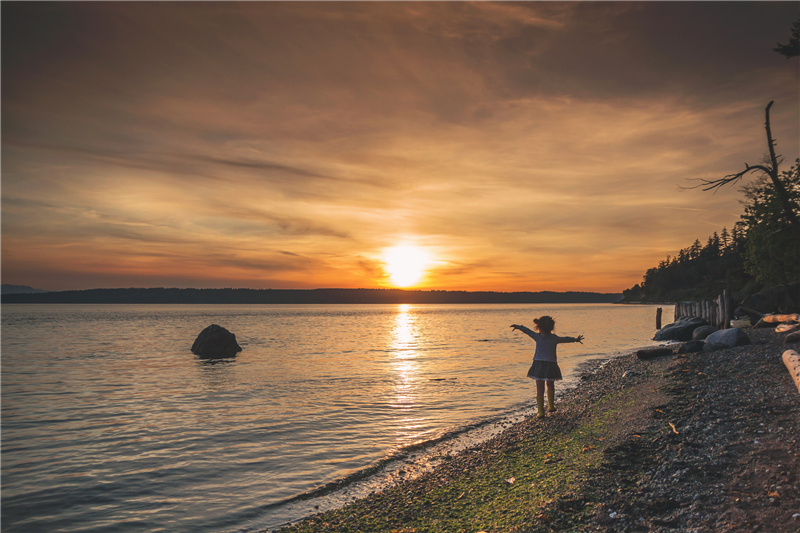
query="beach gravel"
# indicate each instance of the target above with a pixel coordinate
(701, 442)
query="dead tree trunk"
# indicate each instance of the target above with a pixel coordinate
(770, 170)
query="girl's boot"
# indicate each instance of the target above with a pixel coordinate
(540, 406)
(551, 400)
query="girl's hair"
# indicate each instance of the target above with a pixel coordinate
(545, 324)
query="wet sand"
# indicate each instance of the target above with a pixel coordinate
(703, 442)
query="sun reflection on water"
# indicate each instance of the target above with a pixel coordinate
(406, 369)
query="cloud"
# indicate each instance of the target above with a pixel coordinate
(528, 146)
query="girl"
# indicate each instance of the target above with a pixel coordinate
(545, 364)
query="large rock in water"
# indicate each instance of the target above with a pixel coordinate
(680, 330)
(726, 338)
(216, 341)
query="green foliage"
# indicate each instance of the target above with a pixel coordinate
(772, 249)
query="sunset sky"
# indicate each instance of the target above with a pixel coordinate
(506, 146)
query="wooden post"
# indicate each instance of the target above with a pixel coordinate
(658, 318)
(726, 302)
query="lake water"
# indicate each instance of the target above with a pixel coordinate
(110, 423)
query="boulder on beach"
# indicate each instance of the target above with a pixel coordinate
(726, 338)
(691, 347)
(702, 332)
(680, 330)
(217, 342)
(792, 338)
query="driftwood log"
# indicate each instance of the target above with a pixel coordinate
(651, 353)
(771, 320)
(792, 361)
(787, 328)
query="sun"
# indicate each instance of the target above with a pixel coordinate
(406, 264)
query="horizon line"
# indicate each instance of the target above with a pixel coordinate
(404, 289)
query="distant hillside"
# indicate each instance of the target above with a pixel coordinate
(19, 289)
(316, 296)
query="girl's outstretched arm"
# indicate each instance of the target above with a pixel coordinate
(579, 339)
(524, 330)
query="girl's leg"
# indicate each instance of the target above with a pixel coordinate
(551, 395)
(540, 397)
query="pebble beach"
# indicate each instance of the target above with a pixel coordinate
(702, 442)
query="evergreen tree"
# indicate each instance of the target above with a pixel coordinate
(724, 239)
(761, 249)
(792, 48)
(772, 247)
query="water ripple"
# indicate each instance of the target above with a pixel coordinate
(111, 424)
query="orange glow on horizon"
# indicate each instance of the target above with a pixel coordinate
(490, 154)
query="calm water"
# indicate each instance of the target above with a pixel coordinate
(110, 423)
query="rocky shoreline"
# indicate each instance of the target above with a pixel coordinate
(706, 441)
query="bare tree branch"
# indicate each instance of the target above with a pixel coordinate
(730, 178)
(770, 170)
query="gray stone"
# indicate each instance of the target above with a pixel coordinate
(680, 330)
(702, 332)
(691, 347)
(792, 338)
(728, 338)
(216, 342)
(713, 347)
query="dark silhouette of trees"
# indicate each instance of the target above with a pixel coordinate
(292, 296)
(696, 272)
(792, 48)
(761, 250)
(772, 248)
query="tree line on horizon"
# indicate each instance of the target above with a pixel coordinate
(762, 250)
(300, 296)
